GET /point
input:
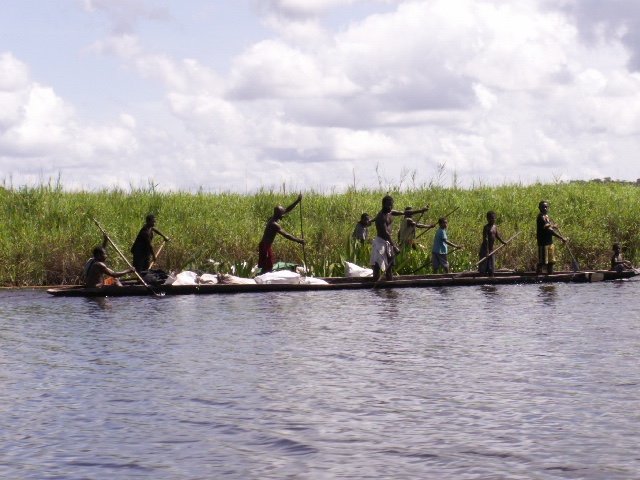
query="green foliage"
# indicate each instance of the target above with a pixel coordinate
(46, 233)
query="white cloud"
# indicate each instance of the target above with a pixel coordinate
(301, 8)
(13, 73)
(124, 15)
(494, 90)
(272, 69)
(40, 132)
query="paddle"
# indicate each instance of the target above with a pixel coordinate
(429, 228)
(157, 254)
(421, 214)
(155, 294)
(497, 249)
(304, 252)
(575, 266)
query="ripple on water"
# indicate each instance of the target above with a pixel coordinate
(536, 381)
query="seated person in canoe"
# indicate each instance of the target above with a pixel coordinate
(618, 263)
(142, 248)
(384, 249)
(266, 258)
(95, 270)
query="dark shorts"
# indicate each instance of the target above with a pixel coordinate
(265, 257)
(141, 262)
(439, 260)
(487, 265)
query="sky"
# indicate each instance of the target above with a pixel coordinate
(242, 95)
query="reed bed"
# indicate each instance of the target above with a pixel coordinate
(47, 233)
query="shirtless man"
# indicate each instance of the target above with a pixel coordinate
(384, 249)
(273, 228)
(96, 269)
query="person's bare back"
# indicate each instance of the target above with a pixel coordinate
(270, 231)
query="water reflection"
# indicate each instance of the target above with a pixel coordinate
(444, 291)
(97, 304)
(548, 293)
(389, 300)
(490, 291)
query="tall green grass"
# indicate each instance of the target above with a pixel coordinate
(47, 233)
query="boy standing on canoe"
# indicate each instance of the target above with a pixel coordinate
(440, 250)
(384, 250)
(361, 231)
(265, 252)
(407, 231)
(545, 231)
(96, 269)
(489, 236)
(142, 248)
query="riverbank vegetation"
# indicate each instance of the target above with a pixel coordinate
(47, 233)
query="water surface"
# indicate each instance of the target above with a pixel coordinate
(502, 382)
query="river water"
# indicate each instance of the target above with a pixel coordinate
(504, 382)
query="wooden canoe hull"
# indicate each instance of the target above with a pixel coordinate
(343, 283)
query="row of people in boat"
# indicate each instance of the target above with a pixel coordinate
(383, 247)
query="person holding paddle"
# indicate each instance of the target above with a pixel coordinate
(142, 248)
(545, 231)
(489, 236)
(96, 269)
(384, 250)
(407, 231)
(440, 250)
(618, 263)
(266, 258)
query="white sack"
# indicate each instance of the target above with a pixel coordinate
(353, 270)
(183, 278)
(233, 280)
(281, 276)
(313, 281)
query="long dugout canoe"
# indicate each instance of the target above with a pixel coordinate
(344, 283)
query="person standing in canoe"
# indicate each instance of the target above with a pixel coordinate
(384, 250)
(545, 231)
(96, 269)
(142, 248)
(407, 231)
(266, 258)
(361, 231)
(489, 236)
(440, 250)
